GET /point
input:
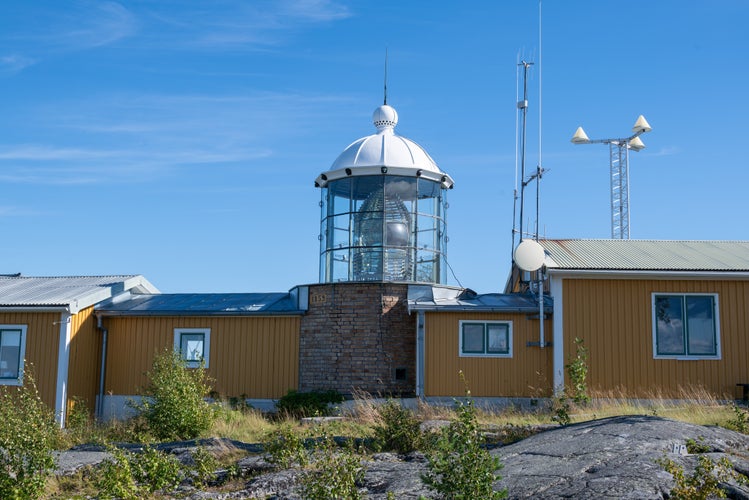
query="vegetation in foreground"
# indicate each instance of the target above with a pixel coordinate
(459, 466)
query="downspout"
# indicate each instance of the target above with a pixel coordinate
(100, 399)
(63, 362)
(420, 354)
(555, 288)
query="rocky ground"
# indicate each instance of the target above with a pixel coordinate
(608, 458)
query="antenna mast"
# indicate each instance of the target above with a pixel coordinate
(386, 77)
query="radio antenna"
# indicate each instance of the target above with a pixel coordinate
(386, 77)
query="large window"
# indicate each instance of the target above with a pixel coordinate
(12, 350)
(686, 326)
(193, 345)
(486, 338)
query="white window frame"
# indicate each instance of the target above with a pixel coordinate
(21, 355)
(686, 357)
(206, 332)
(485, 354)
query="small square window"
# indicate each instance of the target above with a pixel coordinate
(401, 374)
(12, 352)
(193, 345)
(486, 338)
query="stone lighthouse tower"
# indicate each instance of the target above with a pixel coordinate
(382, 231)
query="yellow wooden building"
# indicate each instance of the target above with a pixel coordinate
(47, 328)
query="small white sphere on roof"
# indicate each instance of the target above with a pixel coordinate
(385, 117)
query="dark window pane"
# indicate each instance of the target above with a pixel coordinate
(701, 325)
(669, 318)
(473, 338)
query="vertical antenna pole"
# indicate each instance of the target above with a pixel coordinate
(386, 77)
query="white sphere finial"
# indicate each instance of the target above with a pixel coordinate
(385, 118)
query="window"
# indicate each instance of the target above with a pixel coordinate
(486, 338)
(686, 326)
(193, 345)
(12, 351)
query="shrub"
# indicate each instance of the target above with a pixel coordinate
(333, 472)
(740, 420)
(309, 404)
(27, 435)
(133, 475)
(703, 483)
(177, 408)
(458, 466)
(286, 449)
(577, 369)
(204, 467)
(115, 478)
(155, 470)
(398, 430)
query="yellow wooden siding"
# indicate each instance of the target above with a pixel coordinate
(253, 356)
(527, 374)
(614, 318)
(85, 359)
(42, 340)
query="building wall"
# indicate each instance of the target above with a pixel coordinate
(42, 340)
(85, 359)
(528, 373)
(614, 318)
(354, 336)
(257, 357)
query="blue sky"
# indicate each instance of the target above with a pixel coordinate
(181, 139)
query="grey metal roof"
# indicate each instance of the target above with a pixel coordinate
(647, 255)
(70, 292)
(202, 304)
(438, 298)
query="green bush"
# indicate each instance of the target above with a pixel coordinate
(286, 449)
(133, 475)
(308, 404)
(703, 483)
(176, 407)
(204, 467)
(458, 466)
(154, 470)
(398, 430)
(577, 370)
(27, 436)
(114, 476)
(333, 472)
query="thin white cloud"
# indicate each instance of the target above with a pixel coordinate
(14, 63)
(666, 151)
(94, 24)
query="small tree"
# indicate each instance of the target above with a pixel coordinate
(577, 369)
(176, 407)
(27, 436)
(459, 466)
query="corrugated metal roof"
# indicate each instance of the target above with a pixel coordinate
(438, 298)
(206, 304)
(72, 292)
(645, 255)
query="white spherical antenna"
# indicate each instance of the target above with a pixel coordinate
(529, 255)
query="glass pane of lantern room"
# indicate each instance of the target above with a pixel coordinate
(429, 195)
(339, 263)
(364, 188)
(427, 233)
(427, 266)
(401, 190)
(338, 236)
(339, 196)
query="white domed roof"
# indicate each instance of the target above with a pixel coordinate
(385, 150)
